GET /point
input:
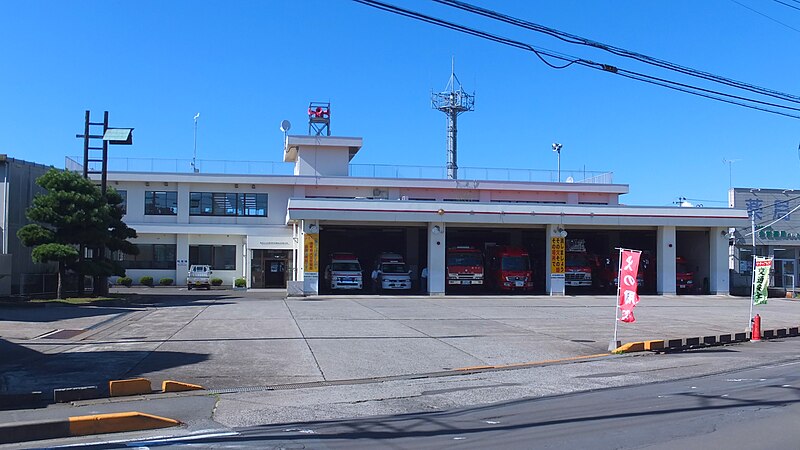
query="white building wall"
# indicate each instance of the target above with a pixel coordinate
(665, 265)
(719, 273)
(437, 245)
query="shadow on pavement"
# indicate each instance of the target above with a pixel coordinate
(23, 370)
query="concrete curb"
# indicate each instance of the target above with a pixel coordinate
(704, 341)
(82, 426)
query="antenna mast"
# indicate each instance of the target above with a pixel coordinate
(453, 101)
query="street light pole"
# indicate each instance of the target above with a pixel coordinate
(194, 152)
(557, 149)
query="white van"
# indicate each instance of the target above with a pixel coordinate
(344, 272)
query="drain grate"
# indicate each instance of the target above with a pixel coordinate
(63, 334)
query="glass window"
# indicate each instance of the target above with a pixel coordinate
(124, 204)
(219, 257)
(227, 204)
(253, 205)
(161, 203)
(151, 256)
(519, 263)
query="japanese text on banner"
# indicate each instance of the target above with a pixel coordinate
(628, 295)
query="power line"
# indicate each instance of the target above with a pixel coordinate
(786, 4)
(541, 53)
(764, 15)
(575, 39)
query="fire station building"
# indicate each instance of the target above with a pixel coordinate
(277, 230)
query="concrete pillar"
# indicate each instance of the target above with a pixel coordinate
(412, 253)
(183, 203)
(437, 272)
(719, 275)
(555, 286)
(182, 259)
(311, 279)
(665, 243)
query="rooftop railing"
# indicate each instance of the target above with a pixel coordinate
(229, 167)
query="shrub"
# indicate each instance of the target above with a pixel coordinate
(125, 281)
(146, 280)
(165, 281)
(216, 281)
(240, 282)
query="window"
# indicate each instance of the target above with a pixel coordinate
(219, 257)
(151, 256)
(124, 205)
(227, 204)
(161, 203)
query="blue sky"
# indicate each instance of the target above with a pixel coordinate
(245, 66)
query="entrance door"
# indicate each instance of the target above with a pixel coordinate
(784, 273)
(270, 268)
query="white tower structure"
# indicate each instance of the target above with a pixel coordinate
(453, 101)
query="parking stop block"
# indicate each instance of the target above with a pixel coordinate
(654, 345)
(133, 386)
(177, 386)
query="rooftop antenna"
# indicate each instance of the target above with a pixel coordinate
(730, 162)
(194, 153)
(453, 101)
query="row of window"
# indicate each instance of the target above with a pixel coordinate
(165, 203)
(163, 256)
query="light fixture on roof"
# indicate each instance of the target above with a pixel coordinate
(557, 149)
(119, 136)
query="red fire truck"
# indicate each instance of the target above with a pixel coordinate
(509, 268)
(579, 264)
(684, 276)
(464, 266)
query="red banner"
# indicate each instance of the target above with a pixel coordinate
(628, 296)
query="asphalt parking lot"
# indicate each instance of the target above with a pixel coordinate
(227, 339)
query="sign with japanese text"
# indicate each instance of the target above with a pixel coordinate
(557, 256)
(311, 252)
(628, 295)
(761, 280)
(772, 207)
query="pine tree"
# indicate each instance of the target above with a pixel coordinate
(72, 213)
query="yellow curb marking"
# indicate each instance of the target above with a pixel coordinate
(531, 363)
(116, 423)
(134, 386)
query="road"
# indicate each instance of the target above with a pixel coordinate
(743, 408)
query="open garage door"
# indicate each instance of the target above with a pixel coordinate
(692, 249)
(367, 243)
(512, 260)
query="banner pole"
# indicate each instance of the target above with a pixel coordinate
(613, 344)
(753, 283)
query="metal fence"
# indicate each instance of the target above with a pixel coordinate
(36, 284)
(208, 166)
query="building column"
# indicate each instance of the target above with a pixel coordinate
(553, 286)
(719, 273)
(437, 270)
(665, 260)
(182, 257)
(309, 258)
(183, 203)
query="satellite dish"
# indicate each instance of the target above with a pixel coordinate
(570, 180)
(285, 125)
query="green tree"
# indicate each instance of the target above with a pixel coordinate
(72, 213)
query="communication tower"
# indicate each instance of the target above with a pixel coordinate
(319, 118)
(453, 101)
